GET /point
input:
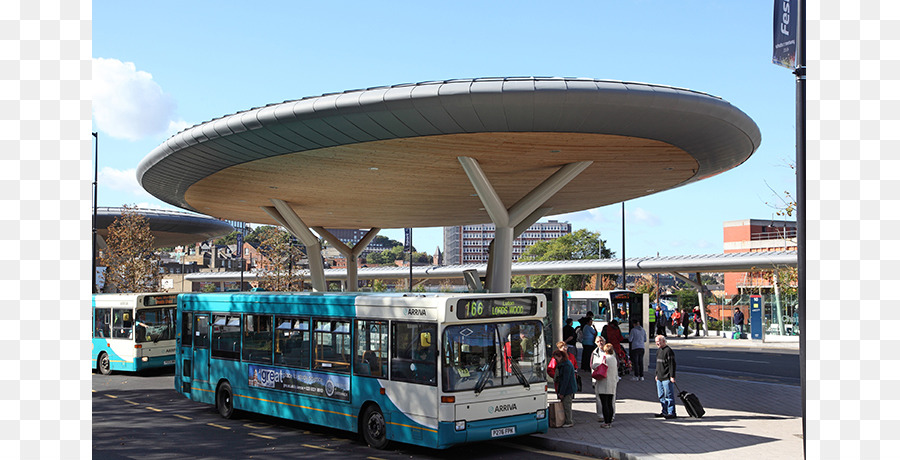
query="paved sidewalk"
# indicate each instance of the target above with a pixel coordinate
(744, 419)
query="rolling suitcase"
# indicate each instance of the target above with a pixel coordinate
(691, 403)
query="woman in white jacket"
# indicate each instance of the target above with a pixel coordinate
(605, 388)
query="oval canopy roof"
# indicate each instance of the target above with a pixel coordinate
(169, 228)
(388, 157)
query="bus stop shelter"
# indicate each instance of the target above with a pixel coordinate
(455, 152)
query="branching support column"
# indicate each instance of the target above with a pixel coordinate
(506, 220)
(287, 218)
(350, 254)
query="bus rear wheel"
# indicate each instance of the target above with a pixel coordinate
(103, 364)
(374, 428)
(225, 400)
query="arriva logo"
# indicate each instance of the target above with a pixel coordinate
(501, 408)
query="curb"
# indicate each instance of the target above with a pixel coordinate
(571, 447)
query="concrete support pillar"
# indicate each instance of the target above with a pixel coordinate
(351, 254)
(506, 220)
(699, 286)
(287, 218)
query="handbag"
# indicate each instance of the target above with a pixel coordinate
(600, 371)
(551, 367)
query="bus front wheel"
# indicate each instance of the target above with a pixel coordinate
(225, 400)
(103, 364)
(374, 428)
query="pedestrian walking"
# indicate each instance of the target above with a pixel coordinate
(605, 388)
(564, 380)
(589, 335)
(665, 378)
(569, 335)
(698, 321)
(660, 322)
(636, 339)
(739, 320)
(685, 323)
(676, 321)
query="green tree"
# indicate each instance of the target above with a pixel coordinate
(645, 286)
(230, 238)
(385, 242)
(687, 298)
(388, 256)
(131, 263)
(282, 273)
(581, 244)
(258, 234)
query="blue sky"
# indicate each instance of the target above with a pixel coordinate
(160, 67)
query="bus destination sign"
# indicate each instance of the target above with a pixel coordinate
(495, 307)
(166, 299)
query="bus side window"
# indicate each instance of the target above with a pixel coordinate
(414, 353)
(187, 335)
(257, 335)
(292, 342)
(101, 317)
(371, 348)
(226, 336)
(122, 323)
(201, 332)
(332, 345)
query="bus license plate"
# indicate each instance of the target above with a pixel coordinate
(510, 430)
(168, 362)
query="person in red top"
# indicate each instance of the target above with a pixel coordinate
(614, 335)
(551, 366)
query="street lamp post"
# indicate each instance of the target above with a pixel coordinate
(94, 220)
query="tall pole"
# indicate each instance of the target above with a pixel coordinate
(801, 203)
(623, 245)
(94, 220)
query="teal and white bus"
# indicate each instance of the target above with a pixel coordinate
(132, 332)
(620, 305)
(428, 369)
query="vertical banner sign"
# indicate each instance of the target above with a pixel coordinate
(409, 247)
(785, 33)
(240, 245)
(757, 321)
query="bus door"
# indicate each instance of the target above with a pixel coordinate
(200, 364)
(184, 339)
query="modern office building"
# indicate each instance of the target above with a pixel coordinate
(756, 235)
(469, 244)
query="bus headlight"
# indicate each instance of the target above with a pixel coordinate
(145, 359)
(541, 413)
(460, 425)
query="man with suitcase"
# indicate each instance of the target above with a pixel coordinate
(665, 378)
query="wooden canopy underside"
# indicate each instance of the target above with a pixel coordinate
(419, 182)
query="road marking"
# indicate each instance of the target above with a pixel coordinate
(154, 409)
(182, 416)
(262, 425)
(732, 359)
(376, 458)
(219, 426)
(547, 452)
(110, 396)
(316, 447)
(261, 436)
(131, 402)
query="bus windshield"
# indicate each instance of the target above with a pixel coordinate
(155, 324)
(478, 356)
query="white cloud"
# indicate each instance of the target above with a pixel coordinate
(127, 103)
(121, 180)
(644, 217)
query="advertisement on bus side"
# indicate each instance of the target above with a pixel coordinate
(300, 381)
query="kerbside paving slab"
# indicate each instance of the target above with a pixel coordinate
(744, 419)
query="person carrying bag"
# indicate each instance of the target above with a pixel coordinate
(604, 370)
